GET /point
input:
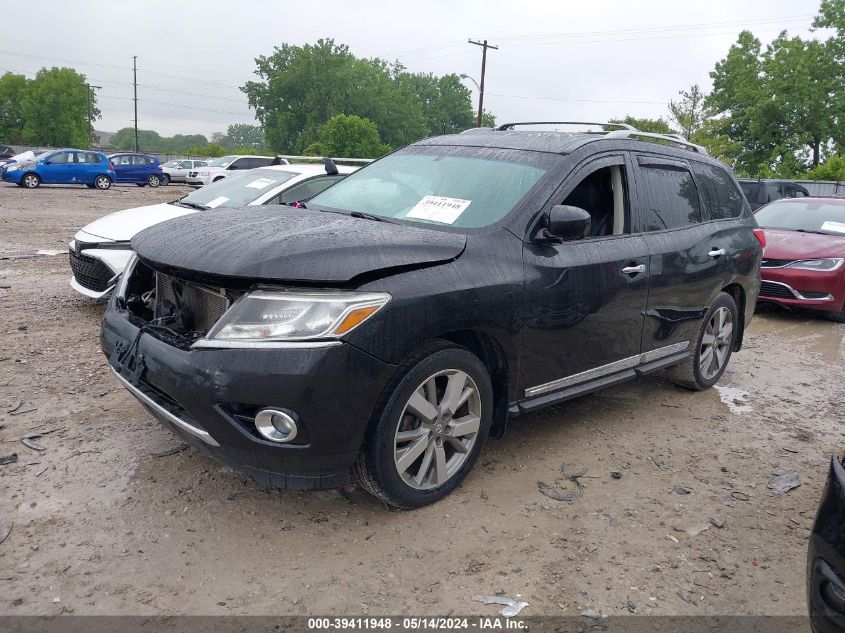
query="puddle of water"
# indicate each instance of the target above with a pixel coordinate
(734, 399)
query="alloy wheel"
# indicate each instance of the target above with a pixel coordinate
(154, 181)
(437, 429)
(716, 343)
(102, 182)
(31, 181)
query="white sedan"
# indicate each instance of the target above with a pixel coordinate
(99, 251)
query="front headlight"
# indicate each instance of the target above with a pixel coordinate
(12, 167)
(296, 316)
(825, 264)
(203, 173)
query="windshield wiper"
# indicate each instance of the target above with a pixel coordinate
(366, 216)
(194, 205)
(810, 231)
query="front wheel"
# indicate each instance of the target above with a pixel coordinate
(31, 181)
(153, 180)
(165, 180)
(102, 182)
(430, 429)
(713, 347)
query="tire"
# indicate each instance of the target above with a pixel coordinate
(102, 182)
(153, 180)
(709, 360)
(837, 317)
(433, 463)
(30, 181)
(165, 180)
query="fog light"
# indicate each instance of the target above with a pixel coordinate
(275, 425)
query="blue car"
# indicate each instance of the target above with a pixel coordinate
(62, 167)
(138, 168)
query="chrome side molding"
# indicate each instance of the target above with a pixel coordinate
(605, 370)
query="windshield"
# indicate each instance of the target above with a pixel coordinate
(239, 189)
(223, 161)
(466, 187)
(171, 163)
(822, 217)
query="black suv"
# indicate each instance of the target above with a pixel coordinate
(760, 192)
(410, 310)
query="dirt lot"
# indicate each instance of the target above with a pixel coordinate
(101, 525)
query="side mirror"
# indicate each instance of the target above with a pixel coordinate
(567, 223)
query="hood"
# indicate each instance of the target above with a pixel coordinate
(784, 244)
(282, 243)
(123, 225)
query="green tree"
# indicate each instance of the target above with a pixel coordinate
(351, 136)
(152, 141)
(212, 150)
(12, 116)
(301, 87)
(446, 103)
(658, 126)
(488, 119)
(55, 107)
(240, 135)
(782, 106)
(689, 112)
(832, 169)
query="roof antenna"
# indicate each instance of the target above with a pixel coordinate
(331, 168)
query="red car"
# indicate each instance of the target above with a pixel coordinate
(804, 254)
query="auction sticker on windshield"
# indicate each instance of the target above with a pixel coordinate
(836, 227)
(438, 209)
(216, 202)
(261, 183)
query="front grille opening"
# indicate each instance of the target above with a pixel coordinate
(184, 309)
(776, 291)
(90, 272)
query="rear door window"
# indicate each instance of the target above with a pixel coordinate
(670, 197)
(62, 158)
(721, 197)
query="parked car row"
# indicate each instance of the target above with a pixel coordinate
(83, 167)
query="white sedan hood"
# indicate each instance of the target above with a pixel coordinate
(123, 225)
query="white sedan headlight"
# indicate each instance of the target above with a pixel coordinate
(823, 264)
(296, 316)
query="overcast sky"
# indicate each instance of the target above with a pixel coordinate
(557, 59)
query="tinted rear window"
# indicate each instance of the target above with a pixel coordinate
(671, 198)
(751, 190)
(721, 196)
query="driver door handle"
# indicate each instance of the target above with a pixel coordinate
(716, 252)
(633, 270)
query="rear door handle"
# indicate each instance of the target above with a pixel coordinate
(633, 270)
(716, 252)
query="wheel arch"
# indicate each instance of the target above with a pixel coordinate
(737, 292)
(491, 353)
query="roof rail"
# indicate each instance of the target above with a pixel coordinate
(510, 126)
(320, 159)
(677, 139)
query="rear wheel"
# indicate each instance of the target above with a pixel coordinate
(102, 182)
(31, 181)
(153, 180)
(712, 349)
(165, 179)
(432, 425)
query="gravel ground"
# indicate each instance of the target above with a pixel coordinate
(101, 525)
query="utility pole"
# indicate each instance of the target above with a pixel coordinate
(135, 86)
(484, 45)
(90, 107)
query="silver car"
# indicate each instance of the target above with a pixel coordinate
(177, 170)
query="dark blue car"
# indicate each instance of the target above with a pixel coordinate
(138, 168)
(62, 167)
